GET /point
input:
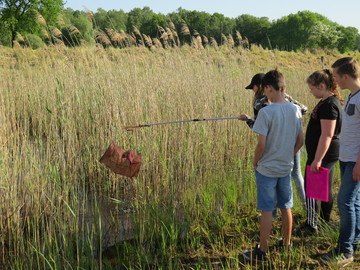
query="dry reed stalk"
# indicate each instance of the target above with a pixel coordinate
(199, 42)
(45, 33)
(164, 36)
(171, 37)
(161, 29)
(123, 39)
(73, 30)
(196, 33)
(165, 40)
(169, 33)
(131, 39)
(184, 28)
(90, 15)
(58, 42)
(123, 34)
(213, 43)
(114, 36)
(194, 43)
(246, 43)
(39, 18)
(147, 40)
(239, 37)
(102, 38)
(56, 32)
(110, 32)
(99, 46)
(231, 42)
(205, 40)
(136, 31)
(224, 40)
(138, 37)
(176, 37)
(157, 43)
(16, 44)
(19, 37)
(172, 26)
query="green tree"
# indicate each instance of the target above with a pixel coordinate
(255, 29)
(78, 27)
(348, 40)
(324, 36)
(20, 16)
(111, 19)
(292, 32)
(210, 25)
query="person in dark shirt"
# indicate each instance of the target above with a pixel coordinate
(322, 142)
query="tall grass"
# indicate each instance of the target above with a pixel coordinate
(193, 204)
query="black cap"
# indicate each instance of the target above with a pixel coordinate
(256, 80)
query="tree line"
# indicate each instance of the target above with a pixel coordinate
(36, 23)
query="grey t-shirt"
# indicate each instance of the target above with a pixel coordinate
(350, 129)
(281, 124)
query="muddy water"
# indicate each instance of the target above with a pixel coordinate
(107, 218)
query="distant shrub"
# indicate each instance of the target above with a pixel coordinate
(33, 41)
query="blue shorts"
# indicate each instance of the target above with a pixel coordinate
(272, 190)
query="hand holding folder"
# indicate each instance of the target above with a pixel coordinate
(317, 184)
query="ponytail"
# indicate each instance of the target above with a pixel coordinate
(326, 77)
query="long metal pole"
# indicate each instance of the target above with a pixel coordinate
(180, 121)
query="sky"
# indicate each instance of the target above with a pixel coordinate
(344, 12)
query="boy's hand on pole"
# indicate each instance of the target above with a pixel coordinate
(243, 117)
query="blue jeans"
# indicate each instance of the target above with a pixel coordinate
(349, 209)
(298, 178)
(272, 191)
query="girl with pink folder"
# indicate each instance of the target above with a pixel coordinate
(322, 146)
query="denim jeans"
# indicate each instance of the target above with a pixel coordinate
(349, 209)
(298, 178)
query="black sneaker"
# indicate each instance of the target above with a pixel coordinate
(305, 230)
(256, 255)
(335, 256)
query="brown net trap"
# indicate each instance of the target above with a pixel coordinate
(121, 162)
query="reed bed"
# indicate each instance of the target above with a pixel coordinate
(193, 204)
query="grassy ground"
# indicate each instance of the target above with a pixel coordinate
(193, 204)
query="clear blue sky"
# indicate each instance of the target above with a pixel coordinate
(346, 12)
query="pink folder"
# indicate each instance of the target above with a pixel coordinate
(317, 184)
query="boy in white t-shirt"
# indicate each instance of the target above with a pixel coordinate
(347, 76)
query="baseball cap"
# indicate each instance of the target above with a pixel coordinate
(256, 80)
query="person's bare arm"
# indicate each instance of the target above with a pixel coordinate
(259, 150)
(299, 141)
(327, 132)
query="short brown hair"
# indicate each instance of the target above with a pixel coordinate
(347, 65)
(275, 79)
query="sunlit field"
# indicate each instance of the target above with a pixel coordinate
(193, 205)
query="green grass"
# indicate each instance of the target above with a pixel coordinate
(193, 204)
